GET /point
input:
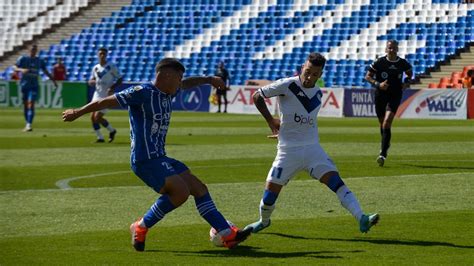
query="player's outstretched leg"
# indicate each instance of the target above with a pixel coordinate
(109, 127)
(367, 221)
(349, 201)
(155, 214)
(235, 237)
(138, 235)
(267, 205)
(231, 235)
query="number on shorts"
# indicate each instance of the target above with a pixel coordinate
(276, 172)
(167, 165)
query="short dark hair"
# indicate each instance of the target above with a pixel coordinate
(103, 49)
(170, 63)
(469, 72)
(393, 42)
(317, 59)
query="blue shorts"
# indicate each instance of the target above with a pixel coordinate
(29, 94)
(155, 171)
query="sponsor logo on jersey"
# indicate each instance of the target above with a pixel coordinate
(303, 120)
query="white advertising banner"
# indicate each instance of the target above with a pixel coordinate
(240, 101)
(332, 102)
(435, 104)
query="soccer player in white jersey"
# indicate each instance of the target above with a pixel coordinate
(105, 77)
(149, 108)
(299, 99)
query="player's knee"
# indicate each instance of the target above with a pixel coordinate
(269, 197)
(387, 124)
(334, 182)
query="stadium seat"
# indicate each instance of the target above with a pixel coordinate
(258, 37)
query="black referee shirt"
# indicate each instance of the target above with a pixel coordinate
(392, 71)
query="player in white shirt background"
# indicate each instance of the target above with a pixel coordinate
(299, 99)
(105, 77)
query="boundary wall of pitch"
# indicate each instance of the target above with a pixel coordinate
(336, 102)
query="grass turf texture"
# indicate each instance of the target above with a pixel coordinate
(424, 194)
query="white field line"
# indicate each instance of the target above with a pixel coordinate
(64, 183)
(219, 184)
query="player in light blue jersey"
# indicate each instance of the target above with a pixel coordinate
(149, 107)
(30, 66)
(298, 142)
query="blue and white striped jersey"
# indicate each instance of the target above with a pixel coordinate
(150, 112)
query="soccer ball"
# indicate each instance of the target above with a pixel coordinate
(215, 238)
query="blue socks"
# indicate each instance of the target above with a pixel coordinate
(104, 123)
(29, 114)
(269, 197)
(158, 210)
(335, 182)
(204, 204)
(207, 209)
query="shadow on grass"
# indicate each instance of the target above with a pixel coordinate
(255, 252)
(439, 167)
(379, 241)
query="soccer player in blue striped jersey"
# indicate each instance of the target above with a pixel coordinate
(29, 66)
(149, 107)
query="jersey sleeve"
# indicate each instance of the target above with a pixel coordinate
(92, 73)
(42, 64)
(277, 88)
(406, 66)
(115, 72)
(19, 62)
(375, 66)
(134, 95)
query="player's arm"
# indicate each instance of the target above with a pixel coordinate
(111, 90)
(107, 102)
(20, 69)
(370, 78)
(192, 82)
(407, 82)
(46, 72)
(259, 102)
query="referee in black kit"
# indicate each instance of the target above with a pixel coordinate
(386, 74)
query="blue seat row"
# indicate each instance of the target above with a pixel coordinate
(139, 35)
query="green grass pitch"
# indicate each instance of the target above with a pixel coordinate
(424, 194)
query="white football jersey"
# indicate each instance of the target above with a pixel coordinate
(105, 77)
(299, 109)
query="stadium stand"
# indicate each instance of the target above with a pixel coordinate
(25, 18)
(268, 39)
(455, 81)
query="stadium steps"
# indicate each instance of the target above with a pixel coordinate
(93, 13)
(453, 65)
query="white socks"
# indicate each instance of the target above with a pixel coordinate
(99, 134)
(265, 212)
(349, 201)
(110, 128)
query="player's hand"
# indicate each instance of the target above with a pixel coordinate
(274, 125)
(384, 85)
(70, 115)
(218, 83)
(91, 82)
(110, 91)
(55, 84)
(25, 70)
